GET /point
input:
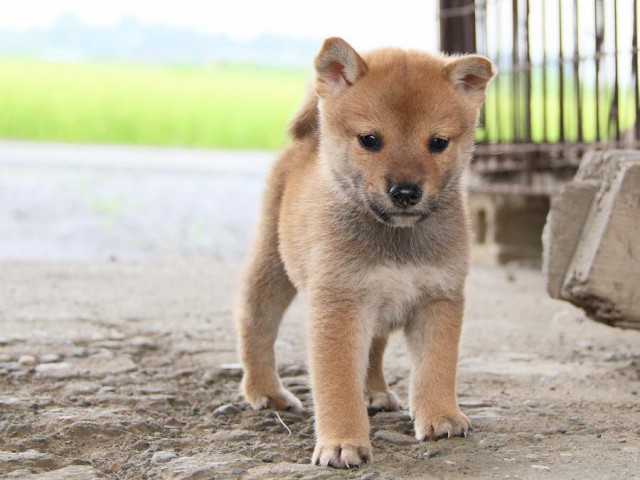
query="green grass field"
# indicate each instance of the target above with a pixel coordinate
(225, 106)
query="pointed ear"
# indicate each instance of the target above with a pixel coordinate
(337, 66)
(470, 74)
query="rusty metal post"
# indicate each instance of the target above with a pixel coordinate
(457, 26)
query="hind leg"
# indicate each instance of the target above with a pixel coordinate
(265, 295)
(379, 396)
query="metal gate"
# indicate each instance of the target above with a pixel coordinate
(567, 83)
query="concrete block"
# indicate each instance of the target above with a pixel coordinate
(592, 239)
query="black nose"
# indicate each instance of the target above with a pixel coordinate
(405, 195)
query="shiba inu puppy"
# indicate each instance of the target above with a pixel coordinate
(365, 212)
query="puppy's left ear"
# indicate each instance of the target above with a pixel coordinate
(470, 74)
(337, 66)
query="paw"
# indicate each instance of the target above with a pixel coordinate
(435, 427)
(276, 398)
(383, 402)
(342, 454)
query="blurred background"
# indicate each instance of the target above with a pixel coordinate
(143, 129)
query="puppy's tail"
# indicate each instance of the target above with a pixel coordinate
(305, 122)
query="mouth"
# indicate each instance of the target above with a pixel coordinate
(400, 218)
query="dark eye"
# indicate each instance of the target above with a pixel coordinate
(370, 142)
(437, 144)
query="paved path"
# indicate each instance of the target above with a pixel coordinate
(76, 202)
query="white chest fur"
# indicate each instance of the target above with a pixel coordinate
(390, 291)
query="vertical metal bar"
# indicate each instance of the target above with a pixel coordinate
(616, 88)
(482, 24)
(498, 88)
(545, 130)
(599, 29)
(527, 78)
(576, 71)
(561, 72)
(634, 71)
(515, 72)
(457, 31)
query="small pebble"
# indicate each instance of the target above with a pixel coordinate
(474, 404)
(225, 410)
(539, 467)
(162, 457)
(27, 360)
(293, 370)
(232, 435)
(142, 342)
(431, 454)
(116, 466)
(231, 367)
(52, 368)
(104, 390)
(237, 471)
(141, 445)
(49, 358)
(116, 335)
(268, 457)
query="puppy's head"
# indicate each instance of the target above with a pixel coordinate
(396, 127)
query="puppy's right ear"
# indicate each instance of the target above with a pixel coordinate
(337, 66)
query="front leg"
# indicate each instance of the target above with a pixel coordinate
(433, 334)
(339, 344)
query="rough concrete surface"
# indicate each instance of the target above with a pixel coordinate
(127, 370)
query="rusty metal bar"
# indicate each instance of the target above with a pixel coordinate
(482, 21)
(599, 29)
(498, 87)
(615, 103)
(545, 130)
(515, 77)
(527, 77)
(457, 26)
(576, 70)
(561, 73)
(634, 71)
(452, 9)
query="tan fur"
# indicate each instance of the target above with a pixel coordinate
(328, 227)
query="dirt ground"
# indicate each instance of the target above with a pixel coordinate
(119, 370)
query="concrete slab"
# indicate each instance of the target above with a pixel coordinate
(591, 240)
